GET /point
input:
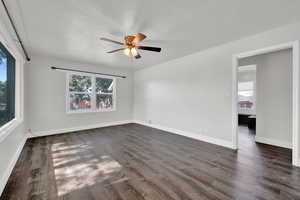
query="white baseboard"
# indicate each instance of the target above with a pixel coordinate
(11, 165)
(78, 128)
(273, 142)
(196, 136)
(296, 163)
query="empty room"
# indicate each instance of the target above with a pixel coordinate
(149, 100)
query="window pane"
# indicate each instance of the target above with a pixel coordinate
(78, 83)
(80, 102)
(104, 101)
(104, 85)
(246, 99)
(7, 86)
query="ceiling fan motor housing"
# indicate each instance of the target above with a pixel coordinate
(129, 39)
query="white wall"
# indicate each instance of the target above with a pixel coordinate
(274, 96)
(246, 75)
(194, 93)
(46, 98)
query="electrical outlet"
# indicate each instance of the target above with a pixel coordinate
(149, 121)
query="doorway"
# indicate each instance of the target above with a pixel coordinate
(247, 104)
(294, 46)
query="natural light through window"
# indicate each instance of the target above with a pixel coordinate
(76, 167)
(7, 86)
(246, 95)
(89, 93)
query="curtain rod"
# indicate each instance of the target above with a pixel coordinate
(15, 29)
(76, 70)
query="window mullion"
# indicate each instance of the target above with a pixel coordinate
(93, 95)
(85, 93)
(114, 94)
(106, 93)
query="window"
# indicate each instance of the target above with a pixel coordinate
(7, 86)
(246, 95)
(80, 92)
(104, 92)
(89, 93)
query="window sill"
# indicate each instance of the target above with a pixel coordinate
(8, 128)
(90, 111)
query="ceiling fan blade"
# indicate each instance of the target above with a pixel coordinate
(113, 41)
(113, 51)
(156, 49)
(138, 38)
(138, 56)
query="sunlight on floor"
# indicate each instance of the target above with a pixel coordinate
(77, 167)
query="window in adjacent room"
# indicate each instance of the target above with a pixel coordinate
(246, 95)
(7, 86)
(89, 93)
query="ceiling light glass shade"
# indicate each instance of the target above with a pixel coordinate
(127, 52)
(134, 52)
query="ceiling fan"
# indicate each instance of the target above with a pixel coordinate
(131, 42)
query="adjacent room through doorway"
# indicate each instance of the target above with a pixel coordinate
(265, 104)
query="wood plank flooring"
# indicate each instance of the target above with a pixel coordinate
(134, 162)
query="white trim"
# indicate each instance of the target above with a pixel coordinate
(234, 102)
(197, 136)
(295, 46)
(93, 95)
(6, 129)
(8, 171)
(273, 142)
(90, 111)
(296, 101)
(78, 128)
(266, 50)
(247, 68)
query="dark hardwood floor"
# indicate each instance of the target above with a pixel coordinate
(132, 162)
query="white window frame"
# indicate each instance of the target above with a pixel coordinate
(10, 126)
(93, 94)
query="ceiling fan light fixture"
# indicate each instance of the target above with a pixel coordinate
(134, 51)
(127, 52)
(131, 52)
(131, 45)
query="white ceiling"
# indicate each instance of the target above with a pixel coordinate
(70, 29)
